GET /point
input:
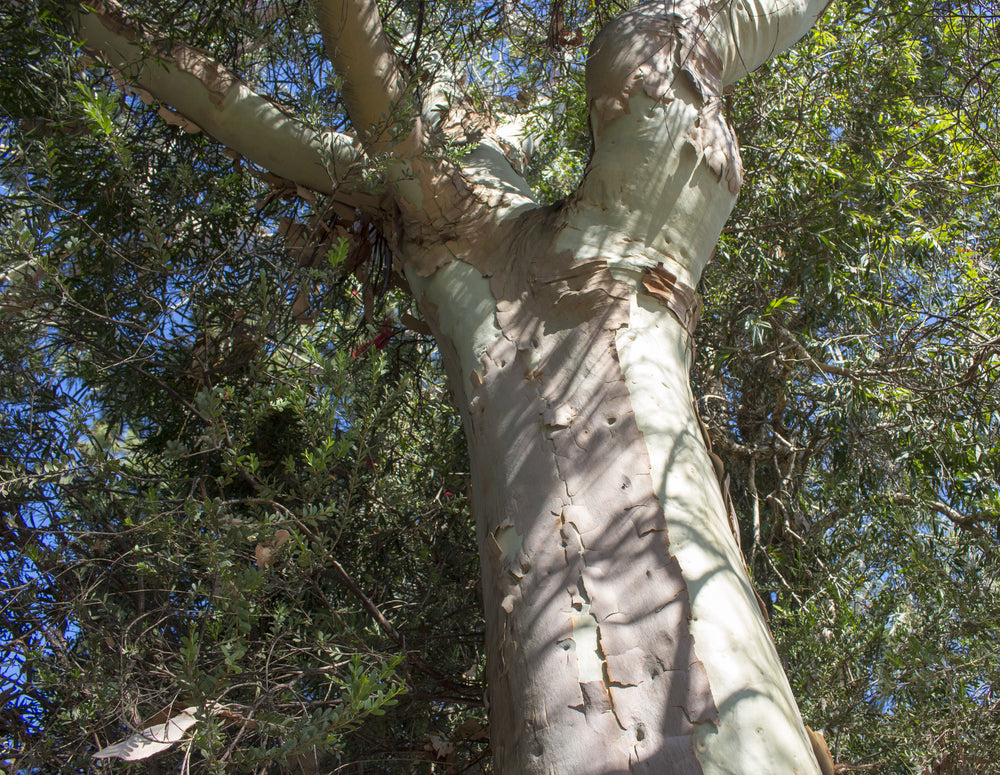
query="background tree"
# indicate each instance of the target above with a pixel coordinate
(208, 502)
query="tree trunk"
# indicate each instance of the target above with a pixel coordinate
(623, 634)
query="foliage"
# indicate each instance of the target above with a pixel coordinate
(849, 374)
(214, 496)
(185, 463)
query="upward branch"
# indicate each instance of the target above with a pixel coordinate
(373, 81)
(215, 100)
(747, 33)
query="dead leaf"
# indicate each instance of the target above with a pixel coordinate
(470, 729)
(263, 555)
(305, 194)
(265, 552)
(440, 749)
(152, 739)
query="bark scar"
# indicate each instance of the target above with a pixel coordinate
(678, 297)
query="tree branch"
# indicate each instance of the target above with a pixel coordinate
(958, 519)
(821, 366)
(215, 100)
(747, 33)
(336, 571)
(373, 81)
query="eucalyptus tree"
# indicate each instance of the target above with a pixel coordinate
(622, 630)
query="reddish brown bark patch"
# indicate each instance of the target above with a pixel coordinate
(681, 299)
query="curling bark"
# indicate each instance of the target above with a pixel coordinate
(623, 634)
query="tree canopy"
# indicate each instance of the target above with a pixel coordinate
(231, 474)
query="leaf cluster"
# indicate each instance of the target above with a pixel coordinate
(848, 372)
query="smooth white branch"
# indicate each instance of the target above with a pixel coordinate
(373, 84)
(747, 33)
(218, 102)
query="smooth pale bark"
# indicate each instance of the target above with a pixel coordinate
(217, 102)
(623, 632)
(623, 635)
(373, 85)
(747, 33)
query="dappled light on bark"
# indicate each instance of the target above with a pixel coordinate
(592, 547)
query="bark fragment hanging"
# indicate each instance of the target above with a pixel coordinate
(678, 297)
(821, 751)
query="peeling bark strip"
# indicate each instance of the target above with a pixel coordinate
(681, 299)
(587, 610)
(645, 50)
(822, 752)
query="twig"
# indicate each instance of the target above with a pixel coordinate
(336, 570)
